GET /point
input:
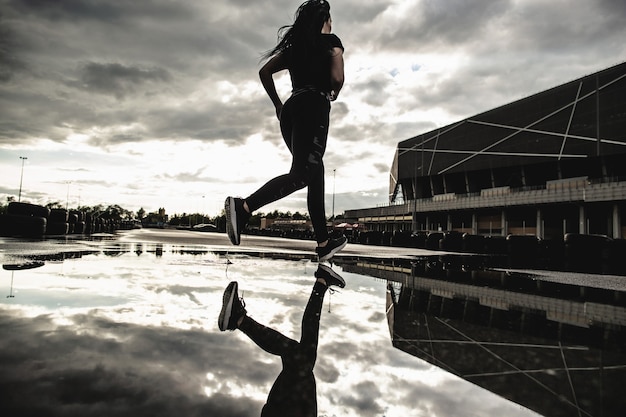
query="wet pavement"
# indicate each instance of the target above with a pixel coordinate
(127, 325)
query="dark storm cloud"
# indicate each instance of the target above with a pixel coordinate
(177, 33)
(118, 79)
(615, 8)
(456, 91)
(209, 120)
(382, 168)
(405, 130)
(448, 24)
(564, 33)
(149, 53)
(358, 12)
(101, 367)
(339, 110)
(374, 130)
(364, 397)
(96, 10)
(374, 90)
(490, 26)
(18, 105)
(9, 61)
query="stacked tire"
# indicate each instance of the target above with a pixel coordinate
(77, 222)
(24, 220)
(89, 224)
(58, 222)
(586, 253)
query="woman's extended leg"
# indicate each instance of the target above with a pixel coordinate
(276, 343)
(304, 126)
(311, 326)
(312, 313)
(312, 125)
(267, 338)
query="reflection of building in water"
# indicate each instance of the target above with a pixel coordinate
(554, 348)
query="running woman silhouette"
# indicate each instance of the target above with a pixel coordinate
(314, 58)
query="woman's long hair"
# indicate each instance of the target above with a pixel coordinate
(305, 31)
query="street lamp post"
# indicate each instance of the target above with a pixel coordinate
(334, 171)
(19, 196)
(67, 200)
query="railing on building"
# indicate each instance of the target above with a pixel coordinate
(559, 191)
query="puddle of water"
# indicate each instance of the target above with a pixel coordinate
(123, 328)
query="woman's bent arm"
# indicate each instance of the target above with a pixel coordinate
(336, 72)
(275, 64)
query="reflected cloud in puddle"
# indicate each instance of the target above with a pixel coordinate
(131, 329)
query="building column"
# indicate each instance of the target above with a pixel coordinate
(617, 223)
(474, 224)
(449, 225)
(503, 224)
(539, 227)
(582, 221)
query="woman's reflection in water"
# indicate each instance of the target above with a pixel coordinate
(294, 391)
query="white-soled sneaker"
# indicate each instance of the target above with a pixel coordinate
(233, 308)
(236, 218)
(332, 247)
(330, 276)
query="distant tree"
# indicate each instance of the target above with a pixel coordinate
(141, 213)
(4, 207)
(115, 212)
(191, 219)
(55, 205)
(96, 209)
(255, 220)
(220, 222)
(175, 220)
(298, 216)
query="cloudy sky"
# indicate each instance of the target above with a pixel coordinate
(157, 103)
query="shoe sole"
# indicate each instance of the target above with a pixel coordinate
(334, 275)
(227, 306)
(332, 252)
(231, 220)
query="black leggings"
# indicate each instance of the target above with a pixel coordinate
(304, 126)
(294, 391)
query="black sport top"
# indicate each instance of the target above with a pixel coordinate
(311, 69)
